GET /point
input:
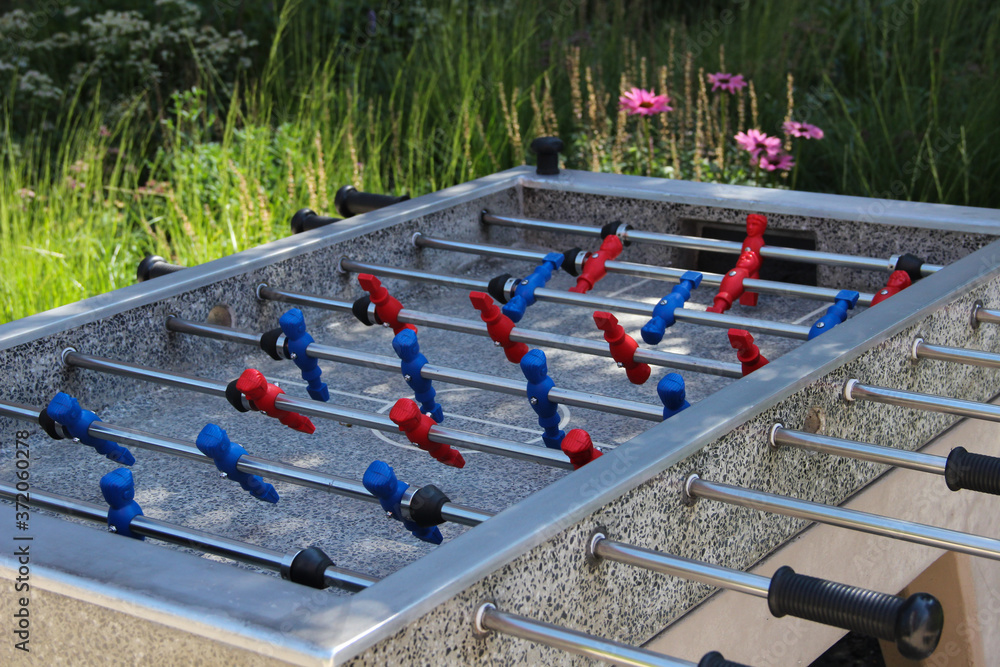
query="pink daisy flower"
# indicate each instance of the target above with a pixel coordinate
(804, 130)
(782, 161)
(755, 141)
(644, 102)
(727, 82)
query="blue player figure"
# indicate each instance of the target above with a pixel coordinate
(215, 443)
(663, 312)
(671, 391)
(66, 410)
(837, 313)
(381, 482)
(412, 362)
(118, 489)
(293, 325)
(524, 293)
(536, 371)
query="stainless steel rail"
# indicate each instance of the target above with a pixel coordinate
(588, 301)
(488, 618)
(855, 391)
(464, 378)
(901, 458)
(374, 420)
(535, 338)
(676, 566)
(909, 531)
(710, 245)
(668, 274)
(252, 465)
(959, 355)
(145, 526)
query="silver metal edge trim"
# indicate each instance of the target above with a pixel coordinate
(966, 219)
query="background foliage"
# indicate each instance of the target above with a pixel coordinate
(195, 129)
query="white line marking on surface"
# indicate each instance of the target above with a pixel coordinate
(629, 287)
(809, 316)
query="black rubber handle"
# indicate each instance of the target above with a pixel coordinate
(715, 659)
(154, 266)
(975, 472)
(306, 219)
(547, 149)
(354, 202)
(914, 623)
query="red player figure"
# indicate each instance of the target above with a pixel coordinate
(898, 281)
(593, 267)
(622, 346)
(256, 388)
(756, 226)
(416, 426)
(498, 325)
(387, 307)
(731, 288)
(748, 353)
(578, 446)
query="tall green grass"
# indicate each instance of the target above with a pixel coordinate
(909, 102)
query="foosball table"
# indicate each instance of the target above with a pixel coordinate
(542, 415)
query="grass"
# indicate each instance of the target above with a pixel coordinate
(906, 92)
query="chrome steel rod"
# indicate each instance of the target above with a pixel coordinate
(901, 458)
(311, 408)
(958, 355)
(252, 465)
(855, 391)
(710, 245)
(535, 338)
(652, 272)
(489, 618)
(908, 531)
(987, 316)
(589, 301)
(685, 568)
(71, 357)
(569, 397)
(188, 537)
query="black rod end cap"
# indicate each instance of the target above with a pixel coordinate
(547, 149)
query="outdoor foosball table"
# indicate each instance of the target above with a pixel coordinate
(541, 415)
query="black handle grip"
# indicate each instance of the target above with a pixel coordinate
(306, 219)
(914, 623)
(975, 472)
(715, 659)
(154, 266)
(547, 149)
(354, 202)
